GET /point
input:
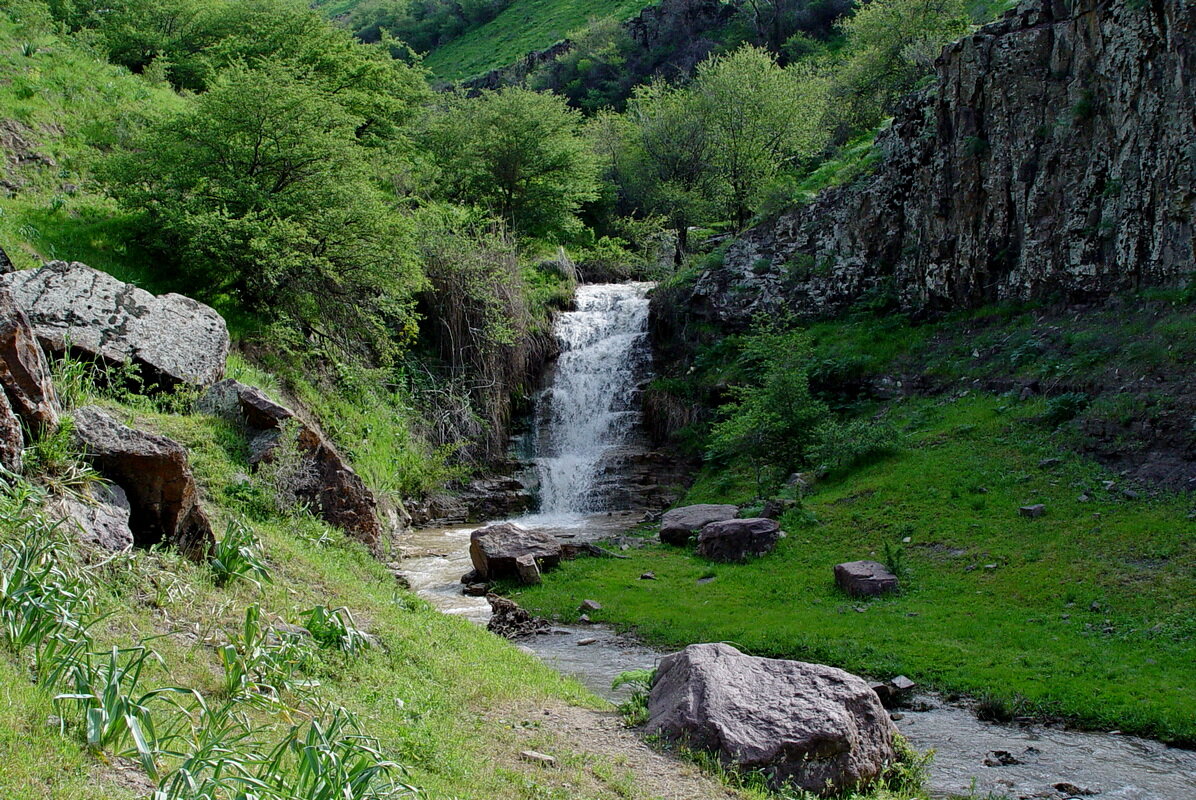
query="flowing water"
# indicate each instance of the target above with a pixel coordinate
(591, 406)
(586, 413)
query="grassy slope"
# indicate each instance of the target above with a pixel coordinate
(463, 692)
(1087, 612)
(526, 26)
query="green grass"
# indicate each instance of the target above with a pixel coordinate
(526, 26)
(1087, 613)
(446, 699)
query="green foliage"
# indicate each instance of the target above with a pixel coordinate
(891, 44)
(261, 191)
(773, 419)
(334, 629)
(516, 153)
(635, 708)
(843, 445)
(1065, 407)
(238, 556)
(261, 663)
(54, 460)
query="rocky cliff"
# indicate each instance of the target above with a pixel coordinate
(1054, 158)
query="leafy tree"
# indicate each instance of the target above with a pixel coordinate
(515, 152)
(761, 120)
(891, 44)
(260, 190)
(661, 153)
(774, 420)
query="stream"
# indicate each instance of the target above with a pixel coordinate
(581, 419)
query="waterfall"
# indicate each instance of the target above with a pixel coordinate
(590, 407)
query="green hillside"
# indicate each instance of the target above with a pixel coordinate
(526, 26)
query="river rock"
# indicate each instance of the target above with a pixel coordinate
(174, 339)
(495, 548)
(510, 621)
(865, 578)
(335, 492)
(102, 521)
(738, 539)
(679, 524)
(162, 493)
(529, 572)
(808, 726)
(1032, 512)
(24, 373)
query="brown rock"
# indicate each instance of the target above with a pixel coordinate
(162, 493)
(679, 524)
(865, 578)
(529, 572)
(510, 621)
(336, 493)
(801, 725)
(12, 439)
(24, 373)
(495, 548)
(102, 521)
(738, 539)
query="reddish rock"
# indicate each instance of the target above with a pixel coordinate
(495, 549)
(336, 493)
(24, 373)
(865, 578)
(153, 470)
(679, 524)
(738, 539)
(12, 440)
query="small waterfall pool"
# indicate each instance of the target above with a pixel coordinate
(582, 418)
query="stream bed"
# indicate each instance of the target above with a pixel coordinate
(1036, 761)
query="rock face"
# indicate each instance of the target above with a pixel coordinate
(495, 550)
(174, 339)
(738, 539)
(865, 578)
(679, 524)
(103, 522)
(1055, 158)
(24, 373)
(12, 439)
(336, 493)
(153, 471)
(813, 727)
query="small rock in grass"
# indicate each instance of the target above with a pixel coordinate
(1084, 498)
(1047, 463)
(706, 579)
(538, 758)
(990, 566)
(1130, 494)
(590, 605)
(907, 540)
(648, 576)
(1032, 512)
(865, 578)
(584, 642)
(584, 618)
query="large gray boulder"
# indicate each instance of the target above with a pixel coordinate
(809, 726)
(679, 524)
(101, 521)
(153, 471)
(174, 339)
(325, 480)
(738, 539)
(24, 373)
(495, 550)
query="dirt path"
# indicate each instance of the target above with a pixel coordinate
(596, 749)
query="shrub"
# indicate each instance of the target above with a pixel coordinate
(1064, 408)
(844, 445)
(635, 708)
(335, 629)
(238, 555)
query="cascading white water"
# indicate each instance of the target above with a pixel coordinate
(590, 407)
